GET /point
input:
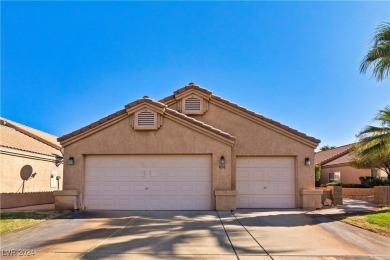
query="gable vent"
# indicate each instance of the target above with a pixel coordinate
(145, 118)
(192, 104)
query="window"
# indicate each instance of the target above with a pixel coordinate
(145, 119)
(334, 177)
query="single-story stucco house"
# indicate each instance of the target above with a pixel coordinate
(30, 159)
(192, 150)
(335, 166)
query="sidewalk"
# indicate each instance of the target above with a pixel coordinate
(349, 206)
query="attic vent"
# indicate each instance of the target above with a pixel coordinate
(145, 118)
(192, 104)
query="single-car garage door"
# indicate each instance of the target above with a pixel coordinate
(148, 182)
(265, 182)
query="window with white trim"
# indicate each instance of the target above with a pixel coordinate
(334, 177)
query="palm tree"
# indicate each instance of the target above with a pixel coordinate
(373, 148)
(379, 53)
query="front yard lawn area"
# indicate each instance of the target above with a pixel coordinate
(14, 220)
(378, 222)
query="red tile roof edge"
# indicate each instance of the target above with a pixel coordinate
(192, 86)
(24, 150)
(268, 120)
(155, 103)
(8, 123)
(336, 155)
(92, 125)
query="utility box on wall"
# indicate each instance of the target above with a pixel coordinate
(53, 179)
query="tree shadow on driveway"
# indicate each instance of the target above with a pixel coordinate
(102, 234)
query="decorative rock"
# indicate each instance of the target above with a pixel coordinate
(328, 202)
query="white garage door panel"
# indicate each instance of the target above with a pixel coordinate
(150, 182)
(265, 162)
(266, 201)
(270, 188)
(147, 202)
(265, 182)
(265, 174)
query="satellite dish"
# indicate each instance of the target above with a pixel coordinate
(25, 172)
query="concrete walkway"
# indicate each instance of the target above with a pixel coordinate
(243, 234)
(349, 206)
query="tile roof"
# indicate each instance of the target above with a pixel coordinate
(92, 125)
(268, 120)
(346, 158)
(12, 138)
(200, 123)
(157, 104)
(324, 157)
(44, 137)
(192, 86)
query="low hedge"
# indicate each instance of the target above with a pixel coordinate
(352, 185)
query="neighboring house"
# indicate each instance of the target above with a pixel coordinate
(335, 166)
(189, 151)
(35, 153)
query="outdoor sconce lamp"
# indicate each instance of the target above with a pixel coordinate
(70, 160)
(307, 161)
(222, 162)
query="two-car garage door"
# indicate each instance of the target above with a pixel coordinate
(148, 182)
(183, 182)
(265, 182)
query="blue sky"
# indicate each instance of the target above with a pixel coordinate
(67, 64)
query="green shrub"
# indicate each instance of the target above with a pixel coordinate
(353, 185)
(317, 175)
(378, 182)
(333, 184)
(364, 181)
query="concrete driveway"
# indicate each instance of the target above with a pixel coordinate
(244, 234)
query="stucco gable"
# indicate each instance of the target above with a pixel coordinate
(151, 104)
(267, 122)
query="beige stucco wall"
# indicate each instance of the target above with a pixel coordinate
(254, 139)
(348, 174)
(121, 138)
(10, 174)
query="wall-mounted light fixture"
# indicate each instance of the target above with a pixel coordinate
(307, 161)
(222, 162)
(58, 160)
(58, 182)
(71, 160)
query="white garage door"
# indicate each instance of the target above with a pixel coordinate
(265, 182)
(148, 182)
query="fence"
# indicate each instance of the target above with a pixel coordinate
(14, 200)
(382, 195)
